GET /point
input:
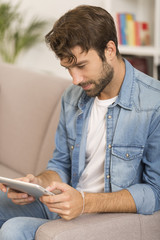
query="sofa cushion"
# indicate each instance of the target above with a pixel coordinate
(29, 112)
(112, 226)
(9, 172)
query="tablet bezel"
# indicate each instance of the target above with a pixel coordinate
(32, 189)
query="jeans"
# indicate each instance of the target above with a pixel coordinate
(21, 222)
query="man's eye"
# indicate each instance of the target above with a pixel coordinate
(81, 66)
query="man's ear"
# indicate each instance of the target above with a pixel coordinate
(110, 50)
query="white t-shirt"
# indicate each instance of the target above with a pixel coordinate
(92, 178)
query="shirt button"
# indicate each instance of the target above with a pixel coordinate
(127, 155)
(109, 116)
(109, 146)
(108, 176)
(72, 147)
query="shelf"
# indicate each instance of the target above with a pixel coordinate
(138, 50)
(144, 11)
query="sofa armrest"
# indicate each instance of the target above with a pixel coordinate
(103, 226)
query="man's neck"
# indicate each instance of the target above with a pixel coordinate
(113, 88)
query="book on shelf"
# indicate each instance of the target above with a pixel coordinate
(132, 32)
(122, 28)
(130, 29)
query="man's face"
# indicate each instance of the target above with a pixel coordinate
(89, 71)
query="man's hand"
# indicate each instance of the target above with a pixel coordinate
(68, 204)
(20, 198)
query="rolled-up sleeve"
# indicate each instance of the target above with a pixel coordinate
(144, 198)
(147, 194)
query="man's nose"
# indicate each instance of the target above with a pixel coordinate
(76, 76)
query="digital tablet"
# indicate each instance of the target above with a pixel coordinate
(32, 189)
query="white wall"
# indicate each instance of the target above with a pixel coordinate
(40, 58)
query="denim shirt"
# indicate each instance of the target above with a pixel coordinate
(133, 139)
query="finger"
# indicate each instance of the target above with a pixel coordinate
(30, 178)
(3, 188)
(16, 194)
(23, 179)
(65, 217)
(60, 211)
(23, 201)
(20, 198)
(62, 197)
(58, 186)
(63, 207)
(59, 208)
(63, 213)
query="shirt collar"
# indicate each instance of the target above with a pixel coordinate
(125, 97)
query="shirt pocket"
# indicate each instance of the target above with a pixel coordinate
(125, 162)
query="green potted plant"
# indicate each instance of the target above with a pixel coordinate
(15, 37)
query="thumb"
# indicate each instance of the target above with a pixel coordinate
(30, 178)
(58, 187)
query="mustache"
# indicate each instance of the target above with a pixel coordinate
(86, 83)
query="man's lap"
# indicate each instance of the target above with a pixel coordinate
(9, 210)
(22, 222)
(33, 210)
(23, 228)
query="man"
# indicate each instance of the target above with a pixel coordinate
(107, 155)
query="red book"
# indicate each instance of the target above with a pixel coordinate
(137, 33)
(144, 34)
(119, 28)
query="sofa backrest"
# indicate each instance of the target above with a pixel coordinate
(29, 113)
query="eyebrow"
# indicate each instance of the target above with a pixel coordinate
(76, 64)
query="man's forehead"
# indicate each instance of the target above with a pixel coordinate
(72, 64)
(80, 56)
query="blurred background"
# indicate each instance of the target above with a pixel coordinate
(24, 24)
(39, 57)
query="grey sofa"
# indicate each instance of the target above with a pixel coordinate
(29, 113)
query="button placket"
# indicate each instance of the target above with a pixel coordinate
(109, 135)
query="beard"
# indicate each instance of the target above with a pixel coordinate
(105, 78)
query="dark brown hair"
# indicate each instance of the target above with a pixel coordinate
(89, 27)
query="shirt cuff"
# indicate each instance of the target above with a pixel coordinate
(144, 198)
